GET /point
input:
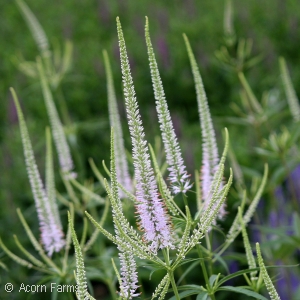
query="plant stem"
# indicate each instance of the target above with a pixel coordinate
(63, 107)
(112, 290)
(202, 263)
(170, 272)
(174, 286)
(185, 199)
(225, 246)
(208, 245)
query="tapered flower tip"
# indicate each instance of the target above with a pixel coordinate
(52, 239)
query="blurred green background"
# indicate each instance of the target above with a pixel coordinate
(90, 25)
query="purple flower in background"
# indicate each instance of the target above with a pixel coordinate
(294, 183)
(288, 283)
(280, 217)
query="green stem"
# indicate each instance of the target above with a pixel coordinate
(203, 266)
(183, 281)
(185, 200)
(173, 283)
(202, 263)
(63, 107)
(226, 245)
(170, 272)
(112, 290)
(208, 245)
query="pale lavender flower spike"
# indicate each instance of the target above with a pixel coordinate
(60, 140)
(129, 275)
(210, 157)
(153, 219)
(51, 232)
(178, 175)
(114, 118)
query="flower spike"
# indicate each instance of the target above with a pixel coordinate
(62, 147)
(268, 282)
(153, 219)
(51, 231)
(82, 291)
(178, 175)
(210, 157)
(35, 27)
(121, 162)
(129, 278)
(289, 90)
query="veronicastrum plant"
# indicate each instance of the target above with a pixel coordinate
(166, 234)
(170, 235)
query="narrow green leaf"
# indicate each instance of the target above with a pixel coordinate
(212, 279)
(236, 274)
(35, 243)
(202, 296)
(34, 260)
(96, 171)
(87, 191)
(95, 234)
(242, 291)
(185, 294)
(14, 257)
(253, 100)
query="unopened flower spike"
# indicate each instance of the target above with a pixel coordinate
(82, 291)
(178, 175)
(248, 250)
(267, 280)
(153, 219)
(210, 157)
(236, 227)
(114, 118)
(129, 278)
(62, 147)
(289, 90)
(51, 232)
(35, 27)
